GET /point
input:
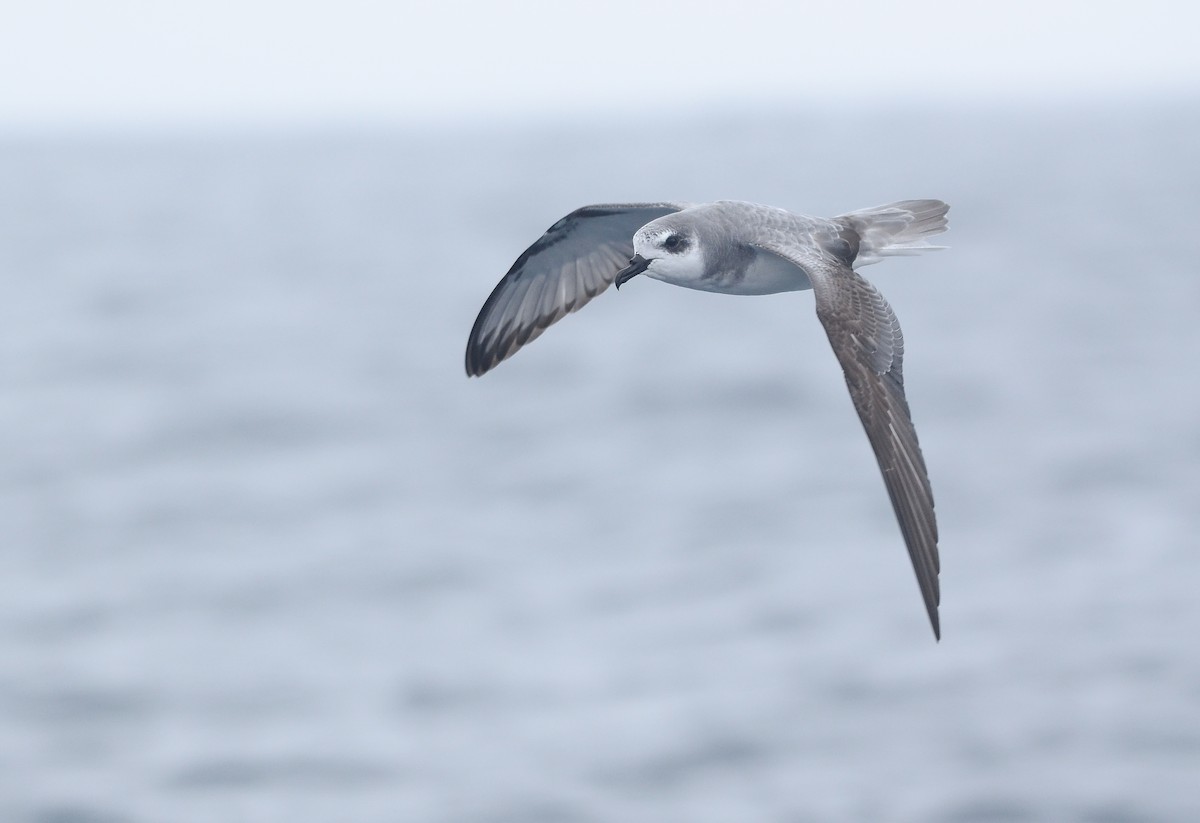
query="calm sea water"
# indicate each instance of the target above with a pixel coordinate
(268, 555)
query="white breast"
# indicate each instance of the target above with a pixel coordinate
(768, 274)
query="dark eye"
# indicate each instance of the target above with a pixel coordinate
(673, 242)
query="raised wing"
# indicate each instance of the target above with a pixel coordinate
(867, 341)
(571, 263)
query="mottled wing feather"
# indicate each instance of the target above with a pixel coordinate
(866, 338)
(575, 260)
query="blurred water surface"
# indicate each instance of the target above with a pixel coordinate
(269, 555)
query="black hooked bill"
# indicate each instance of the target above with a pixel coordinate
(637, 265)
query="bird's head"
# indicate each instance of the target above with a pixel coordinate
(665, 249)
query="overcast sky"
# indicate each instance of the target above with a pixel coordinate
(132, 62)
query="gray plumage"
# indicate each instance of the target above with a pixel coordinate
(571, 263)
(744, 248)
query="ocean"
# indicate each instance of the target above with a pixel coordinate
(268, 554)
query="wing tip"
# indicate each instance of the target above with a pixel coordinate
(932, 595)
(479, 361)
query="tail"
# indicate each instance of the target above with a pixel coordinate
(894, 229)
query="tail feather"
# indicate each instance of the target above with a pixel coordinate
(895, 229)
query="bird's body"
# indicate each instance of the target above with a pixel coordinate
(743, 248)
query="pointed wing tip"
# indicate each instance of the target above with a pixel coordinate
(477, 369)
(477, 362)
(933, 598)
(472, 368)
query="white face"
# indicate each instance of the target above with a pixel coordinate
(673, 253)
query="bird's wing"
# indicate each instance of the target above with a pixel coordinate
(571, 263)
(867, 341)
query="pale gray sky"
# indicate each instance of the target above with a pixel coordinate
(132, 61)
